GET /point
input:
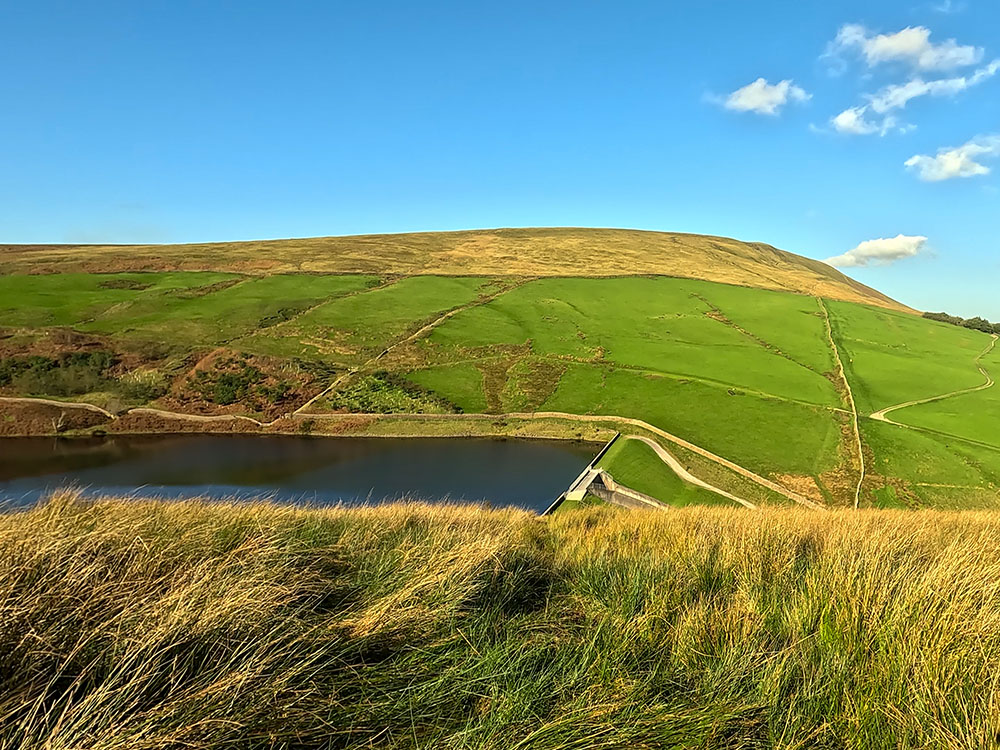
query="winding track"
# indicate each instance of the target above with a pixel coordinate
(668, 458)
(881, 414)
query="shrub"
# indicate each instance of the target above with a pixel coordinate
(66, 375)
(142, 385)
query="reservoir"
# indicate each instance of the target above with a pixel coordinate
(527, 474)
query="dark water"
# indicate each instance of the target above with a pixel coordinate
(322, 471)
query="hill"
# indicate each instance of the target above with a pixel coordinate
(494, 252)
(146, 625)
(770, 396)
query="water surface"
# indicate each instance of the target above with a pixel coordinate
(323, 471)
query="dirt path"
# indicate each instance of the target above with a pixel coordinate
(736, 468)
(668, 458)
(842, 373)
(881, 414)
(52, 402)
(198, 417)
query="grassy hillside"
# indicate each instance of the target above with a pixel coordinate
(974, 415)
(893, 358)
(746, 374)
(492, 252)
(141, 625)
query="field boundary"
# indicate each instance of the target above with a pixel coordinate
(850, 400)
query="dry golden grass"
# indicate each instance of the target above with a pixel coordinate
(181, 625)
(490, 252)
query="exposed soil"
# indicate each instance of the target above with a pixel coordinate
(804, 485)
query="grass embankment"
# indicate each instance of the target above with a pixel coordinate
(634, 464)
(144, 625)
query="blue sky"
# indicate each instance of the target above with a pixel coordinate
(195, 121)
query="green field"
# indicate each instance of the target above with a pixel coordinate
(747, 374)
(75, 298)
(975, 416)
(223, 314)
(354, 329)
(892, 358)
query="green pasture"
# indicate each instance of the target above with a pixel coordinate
(766, 434)
(225, 313)
(892, 357)
(71, 299)
(790, 323)
(350, 331)
(634, 464)
(656, 325)
(462, 383)
(940, 471)
(975, 416)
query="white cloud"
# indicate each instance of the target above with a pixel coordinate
(765, 98)
(854, 121)
(911, 45)
(898, 96)
(952, 163)
(880, 252)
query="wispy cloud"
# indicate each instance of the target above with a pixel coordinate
(880, 252)
(911, 46)
(958, 162)
(897, 96)
(763, 98)
(948, 7)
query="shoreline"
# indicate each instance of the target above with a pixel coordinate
(698, 461)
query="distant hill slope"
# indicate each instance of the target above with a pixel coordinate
(488, 252)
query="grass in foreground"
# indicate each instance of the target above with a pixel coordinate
(146, 625)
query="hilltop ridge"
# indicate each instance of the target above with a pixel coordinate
(556, 251)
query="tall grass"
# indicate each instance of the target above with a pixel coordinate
(183, 625)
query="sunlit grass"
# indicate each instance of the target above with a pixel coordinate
(169, 625)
